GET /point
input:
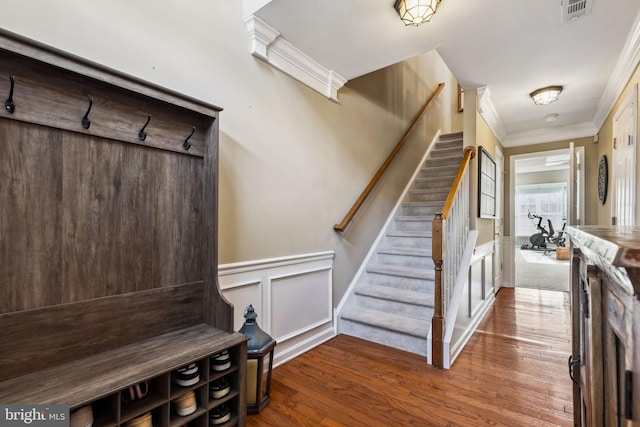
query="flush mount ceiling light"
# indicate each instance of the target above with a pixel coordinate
(415, 12)
(546, 95)
(551, 117)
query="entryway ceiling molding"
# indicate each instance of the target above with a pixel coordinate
(268, 45)
(489, 113)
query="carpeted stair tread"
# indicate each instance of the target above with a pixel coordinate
(395, 250)
(429, 203)
(393, 294)
(430, 190)
(408, 233)
(414, 218)
(400, 271)
(393, 322)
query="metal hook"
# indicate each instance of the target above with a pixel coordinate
(9, 105)
(86, 123)
(186, 144)
(142, 135)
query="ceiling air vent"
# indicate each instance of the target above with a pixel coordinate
(574, 9)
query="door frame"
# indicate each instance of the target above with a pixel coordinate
(510, 248)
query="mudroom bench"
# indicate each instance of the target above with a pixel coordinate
(102, 379)
(109, 298)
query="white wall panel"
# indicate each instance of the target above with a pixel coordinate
(291, 295)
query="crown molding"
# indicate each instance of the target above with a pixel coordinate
(269, 46)
(624, 69)
(560, 133)
(488, 112)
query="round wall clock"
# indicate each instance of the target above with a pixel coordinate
(603, 179)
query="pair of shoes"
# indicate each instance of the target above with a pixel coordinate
(135, 392)
(187, 375)
(82, 417)
(219, 415)
(141, 421)
(186, 404)
(220, 361)
(219, 388)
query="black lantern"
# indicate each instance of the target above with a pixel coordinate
(259, 362)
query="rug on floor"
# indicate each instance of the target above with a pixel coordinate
(540, 270)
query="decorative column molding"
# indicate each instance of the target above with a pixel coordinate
(261, 36)
(489, 113)
(268, 45)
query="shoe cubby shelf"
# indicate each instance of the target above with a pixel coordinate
(101, 380)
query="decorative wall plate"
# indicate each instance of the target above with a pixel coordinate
(603, 179)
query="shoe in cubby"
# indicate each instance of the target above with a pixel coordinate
(186, 404)
(221, 361)
(186, 375)
(219, 415)
(219, 388)
(144, 420)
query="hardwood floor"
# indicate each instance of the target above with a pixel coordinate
(513, 372)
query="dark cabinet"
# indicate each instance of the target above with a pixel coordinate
(605, 364)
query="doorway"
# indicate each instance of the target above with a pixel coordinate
(541, 194)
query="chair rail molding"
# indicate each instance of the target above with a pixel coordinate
(269, 46)
(292, 296)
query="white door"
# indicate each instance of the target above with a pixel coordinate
(623, 162)
(499, 221)
(575, 204)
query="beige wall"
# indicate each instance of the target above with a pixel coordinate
(484, 138)
(291, 161)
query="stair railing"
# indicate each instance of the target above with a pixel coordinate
(374, 181)
(450, 231)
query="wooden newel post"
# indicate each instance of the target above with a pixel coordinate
(437, 324)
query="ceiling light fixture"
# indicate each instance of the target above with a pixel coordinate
(415, 12)
(551, 117)
(546, 95)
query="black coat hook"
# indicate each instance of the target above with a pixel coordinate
(9, 105)
(186, 144)
(86, 123)
(142, 134)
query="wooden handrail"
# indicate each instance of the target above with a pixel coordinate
(469, 153)
(358, 203)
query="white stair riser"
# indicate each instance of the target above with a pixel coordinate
(396, 307)
(382, 336)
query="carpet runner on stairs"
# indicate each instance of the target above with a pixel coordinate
(392, 301)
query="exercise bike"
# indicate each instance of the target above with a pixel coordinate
(544, 236)
(538, 239)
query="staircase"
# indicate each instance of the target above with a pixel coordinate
(392, 300)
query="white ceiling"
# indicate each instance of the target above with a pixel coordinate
(510, 46)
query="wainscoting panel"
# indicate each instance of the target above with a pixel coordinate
(292, 297)
(478, 296)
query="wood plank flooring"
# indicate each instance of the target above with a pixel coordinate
(513, 372)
